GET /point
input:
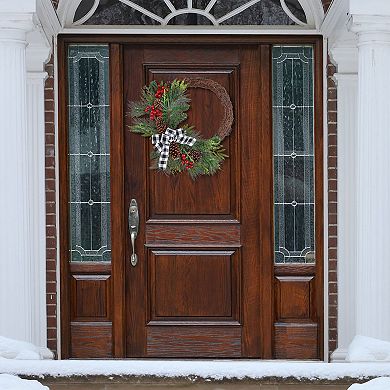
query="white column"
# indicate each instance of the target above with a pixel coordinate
(373, 177)
(347, 90)
(16, 271)
(36, 176)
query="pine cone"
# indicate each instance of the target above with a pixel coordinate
(160, 125)
(158, 105)
(174, 150)
(195, 155)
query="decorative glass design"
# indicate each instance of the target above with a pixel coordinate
(190, 12)
(293, 134)
(89, 152)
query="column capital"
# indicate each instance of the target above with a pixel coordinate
(370, 29)
(15, 25)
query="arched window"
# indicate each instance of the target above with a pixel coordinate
(295, 13)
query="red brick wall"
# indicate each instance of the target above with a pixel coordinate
(332, 201)
(326, 4)
(51, 237)
(332, 207)
(51, 206)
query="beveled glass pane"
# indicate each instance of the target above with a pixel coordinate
(267, 12)
(190, 20)
(113, 12)
(84, 7)
(293, 140)
(89, 152)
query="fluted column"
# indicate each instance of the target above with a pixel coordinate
(373, 177)
(347, 89)
(16, 273)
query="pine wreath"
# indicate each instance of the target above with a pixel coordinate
(158, 114)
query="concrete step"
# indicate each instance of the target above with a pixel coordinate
(107, 385)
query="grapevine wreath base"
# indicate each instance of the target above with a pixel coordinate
(158, 114)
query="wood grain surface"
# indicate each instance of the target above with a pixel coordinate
(193, 235)
(205, 284)
(203, 342)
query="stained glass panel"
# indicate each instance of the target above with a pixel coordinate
(89, 152)
(293, 134)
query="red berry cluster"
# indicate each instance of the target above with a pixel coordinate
(185, 161)
(153, 112)
(160, 91)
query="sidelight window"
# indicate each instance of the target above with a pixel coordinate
(89, 152)
(293, 145)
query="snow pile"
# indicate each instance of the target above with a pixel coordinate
(375, 384)
(21, 350)
(10, 382)
(367, 349)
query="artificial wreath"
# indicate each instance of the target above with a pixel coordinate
(158, 114)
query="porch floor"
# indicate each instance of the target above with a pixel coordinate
(193, 374)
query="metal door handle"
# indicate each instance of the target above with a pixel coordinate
(133, 229)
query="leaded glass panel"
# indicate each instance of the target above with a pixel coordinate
(89, 152)
(192, 12)
(293, 146)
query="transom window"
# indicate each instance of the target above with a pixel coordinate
(298, 13)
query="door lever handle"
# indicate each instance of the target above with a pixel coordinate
(133, 229)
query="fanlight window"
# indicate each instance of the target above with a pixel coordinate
(193, 12)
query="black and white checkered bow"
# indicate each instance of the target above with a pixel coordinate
(162, 142)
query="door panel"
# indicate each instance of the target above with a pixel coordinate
(222, 187)
(194, 299)
(194, 285)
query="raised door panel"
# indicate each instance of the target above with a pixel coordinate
(214, 195)
(294, 298)
(91, 298)
(194, 286)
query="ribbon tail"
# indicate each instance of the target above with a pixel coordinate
(164, 156)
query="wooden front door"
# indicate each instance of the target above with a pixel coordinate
(202, 285)
(216, 276)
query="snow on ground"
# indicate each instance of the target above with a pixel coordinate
(368, 349)
(375, 384)
(215, 370)
(14, 349)
(9, 382)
